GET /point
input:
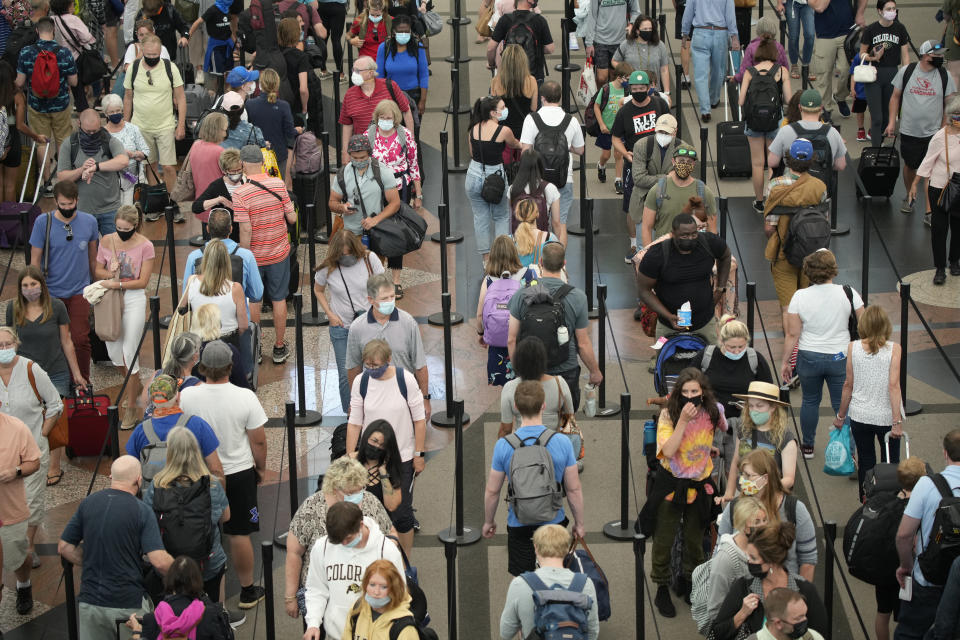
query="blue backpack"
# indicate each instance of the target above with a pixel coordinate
(675, 355)
(559, 613)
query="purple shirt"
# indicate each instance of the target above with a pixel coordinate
(751, 49)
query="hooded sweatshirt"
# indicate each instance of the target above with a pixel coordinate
(334, 581)
(607, 21)
(729, 563)
(369, 629)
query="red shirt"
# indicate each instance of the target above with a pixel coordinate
(376, 33)
(266, 215)
(358, 107)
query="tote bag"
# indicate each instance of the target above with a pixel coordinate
(838, 460)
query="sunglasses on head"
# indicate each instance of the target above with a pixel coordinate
(686, 153)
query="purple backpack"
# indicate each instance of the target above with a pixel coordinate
(496, 312)
(307, 153)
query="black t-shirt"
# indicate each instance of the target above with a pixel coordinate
(541, 31)
(297, 62)
(217, 23)
(890, 38)
(633, 123)
(732, 376)
(687, 276)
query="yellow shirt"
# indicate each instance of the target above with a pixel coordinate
(153, 103)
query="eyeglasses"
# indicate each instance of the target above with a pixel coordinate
(689, 153)
(8, 345)
(69, 230)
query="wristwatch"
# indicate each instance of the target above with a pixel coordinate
(419, 454)
(96, 167)
(426, 396)
(19, 472)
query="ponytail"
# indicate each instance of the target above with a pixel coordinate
(525, 236)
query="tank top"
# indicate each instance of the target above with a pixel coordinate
(518, 108)
(228, 309)
(487, 152)
(870, 402)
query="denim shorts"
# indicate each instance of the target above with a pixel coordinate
(750, 133)
(276, 280)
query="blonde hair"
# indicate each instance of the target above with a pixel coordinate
(229, 158)
(184, 459)
(910, 471)
(874, 327)
(208, 321)
(13, 334)
(212, 126)
(215, 269)
(526, 213)
(744, 510)
(763, 463)
(513, 71)
(551, 541)
(129, 213)
(777, 423)
(343, 473)
(388, 108)
(270, 83)
(377, 350)
(731, 328)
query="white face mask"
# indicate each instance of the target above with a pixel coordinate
(664, 139)
(251, 87)
(356, 78)
(386, 125)
(890, 15)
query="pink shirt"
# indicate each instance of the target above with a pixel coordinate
(385, 402)
(18, 447)
(205, 164)
(390, 152)
(131, 260)
(934, 165)
(76, 26)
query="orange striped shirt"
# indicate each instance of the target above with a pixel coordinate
(265, 213)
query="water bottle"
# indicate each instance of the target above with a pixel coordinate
(563, 336)
(129, 177)
(365, 240)
(685, 315)
(590, 400)
(649, 437)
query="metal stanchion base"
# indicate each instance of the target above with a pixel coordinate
(197, 241)
(321, 237)
(165, 321)
(578, 230)
(445, 420)
(309, 417)
(615, 531)
(319, 320)
(436, 319)
(281, 540)
(470, 536)
(453, 238)
(840, 230)
(608, 410)
(912, 407)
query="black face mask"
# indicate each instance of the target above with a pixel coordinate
(685, 244)
(756, 570)
(373, 453)
(695, 401)
(639, 96)
(151, 62)
(799, 630)
(67, 213)
(126, 235)
(645, 35)
(936, 62)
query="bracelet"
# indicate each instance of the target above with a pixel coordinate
(289, 598)
(896, 422)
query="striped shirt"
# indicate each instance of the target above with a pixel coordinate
(265, 212)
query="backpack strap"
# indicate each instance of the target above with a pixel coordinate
(753, 359)
(790, 506)
(661, 192)
(562, 293)
(397, 626)
(534, 582)
(942, 485)
(150, 432)
(342, 182)
(364, 381)
(401, 382)
(649, 150)
(578, 583)
(545, 432)
(513, 440)
(849, 293)
(907, 73)
(707, 357)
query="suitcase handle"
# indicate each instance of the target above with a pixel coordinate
(904, 437)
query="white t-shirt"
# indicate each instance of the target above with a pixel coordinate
(824, 310)
(552, 116)
(131, 53)
(231, 412)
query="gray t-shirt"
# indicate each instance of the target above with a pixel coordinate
(369, 191)
(574, 316)
(921, 105)
(347, 286)
(786, 136)
(40, 341)
(552, 391)
(640, 55)
(102, 195)
(401, 332)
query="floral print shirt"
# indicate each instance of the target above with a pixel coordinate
(390, 152)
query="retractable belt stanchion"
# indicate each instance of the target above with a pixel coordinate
(168, 212)
(455, 110)
(315, 318)
(677, 94)
(837, 229)
(459, 80)
(830, 531)
(450, 552)
(155, 330)
(623, 529)
(603, 409)
(639, 550)
(865, 250)
(266, 553)
(460, 533)
(751, 303)
(588, 260)
(323, 237)
(337, 130)
(290, 420)
(566, 68)
(704, 136)
(910, 407)
(724, 214)
(305, 417)
(584, 224)
(783, 31)
(445, 193)
(447, 418)
(70, 591)
(439, 319)
(113, 425)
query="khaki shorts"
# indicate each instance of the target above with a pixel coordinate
(13, 537)
(35, 486)
(56, 125)
(786, 280)
(163, 143)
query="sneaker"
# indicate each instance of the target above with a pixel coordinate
(844, 109)
(869, 137)
(323, 74)
(906, 206)
(34, 560)
(416, 525)
(705, 117)
(954, 271)
(281, 353)
(685, 82)
(152, 216)
(940, 277)
(682, 587)
(861, 135)
(758, 206)
(24, 600)
(601, 172)
(807, 452)
(928, 219)
(250, 596)
(628, 258)
(618, 186)
(178, 217)
(664, 603)
(47, 190)
(237, 618)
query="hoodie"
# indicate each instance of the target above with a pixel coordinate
(369, 629)
(336, 575)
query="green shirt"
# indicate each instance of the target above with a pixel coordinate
(674, 200)
(609, 112)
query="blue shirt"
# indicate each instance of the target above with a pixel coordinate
(252, 283)
(835, 21)
(709, 13)
(116, 530)
(858, 89)
(923, 503)
(275, 121)
(66, 65)
(198, 426)
(407, 71)
(69, 260)
(560, 449)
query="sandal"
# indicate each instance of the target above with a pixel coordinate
(795, 71)
(54, 479)
(398, 291)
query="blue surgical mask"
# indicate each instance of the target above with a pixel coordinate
(734, 356)
(353, 543)
(377, 372)
(402, 38)
(7, 355)
(760, 417)
(503, 114)
(386, 125)
(376, 603)
(355, 498)
(375, 19)
(386, 308)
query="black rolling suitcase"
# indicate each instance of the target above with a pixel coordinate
(879, 170)
(733, 149)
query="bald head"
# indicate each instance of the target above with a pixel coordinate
(90, 120)
(125, 474)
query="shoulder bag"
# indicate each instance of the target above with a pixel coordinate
(185, 189)
(59, 436)
(399, 234)
(494, 184)
(152, 198)
(108, 314)
(90, 64)
(949, 199)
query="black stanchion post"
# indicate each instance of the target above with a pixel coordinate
(155, 329)
(266, 553)
(704, 134)
(439, 319)
(724, 214)
(678, 98)
(603, 409)
(751, 303)
(325, 186)
(315, 318)
(639, 550)
(460, 533)
(783, 31)
(588, 259)
(113, 425)
(445, 194)
(337, 130)
(450, 552)
(910, 407)
(760, 12)
(168, 213)
(454, 110)
(622, 529)
(291, 422)
(865, 266)
(574, 230)
(830, 530)
(447, 418)
(305, 417)
(70, 593)
(566, 68)
(836, 228)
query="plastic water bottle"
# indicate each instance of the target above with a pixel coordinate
(649, 437)
(365, 240)
(129, 177)
(590, 400)
(563, 336)
(685, 315)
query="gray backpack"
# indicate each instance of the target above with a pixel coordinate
(153, 456)
(532, 489)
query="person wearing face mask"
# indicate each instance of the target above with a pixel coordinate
(133, 143)
(338, 562)
(670, 194)
(218, 55)
(344, 481)
(383, 613)
(240, 132)
(340, 284)
(396, 147)
(275, 120)
(403, 59)
(745, 606)
(204, 155)
(652, 160)
(683, 489)
(886, 45)
(182, 356)
(371, 28)
(644, 50)
(379, 394)
(228, 176)
(732, 364)
(380, 456)
(362, 98)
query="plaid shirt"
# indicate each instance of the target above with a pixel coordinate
(28, 57)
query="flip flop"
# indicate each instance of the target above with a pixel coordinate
(54, 479)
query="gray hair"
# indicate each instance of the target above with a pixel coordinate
(184, 347)
(111, 101)
(768, 26)
(377, 282)
(953, 104)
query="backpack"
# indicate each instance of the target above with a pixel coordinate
(45, 79)
(943, 546)
(496, 311)
(674, 356)
(711, 349)
(532, 488)
(851, 43)
(909, 72)
(397, 626)
(551, 143)
(539, 197)
(822, 166)
(763, 106)
(308, 156)
(590, 122)
(520, 33)
(808, 231)
(153, 456)
(184, 515)
(543, 318)
(21, 36)
(236, 265)
(559, 613)
(869, 539)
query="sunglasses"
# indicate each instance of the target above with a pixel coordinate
(686, 153)
(69, 230)
(149, 78)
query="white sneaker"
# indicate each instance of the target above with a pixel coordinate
(574, 45)
(198, 76)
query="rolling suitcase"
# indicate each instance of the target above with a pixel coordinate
(733, 149)
(88, 423)
(879, 170)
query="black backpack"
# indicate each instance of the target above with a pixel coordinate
(522, 34)
(869, 539)
(943, 546)
(184, 514)
(542, 318)
(590, 122)
(551, 143)
(236, 265)
(398, 625)
(21, 36)
(809, 230)
(822, 166)
(763, 107)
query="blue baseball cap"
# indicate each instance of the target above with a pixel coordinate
(801, 149)
(239, 76)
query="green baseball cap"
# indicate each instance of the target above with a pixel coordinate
(810, 99)
(639, 77)
(163, 389)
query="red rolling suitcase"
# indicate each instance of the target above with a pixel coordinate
(88, 423)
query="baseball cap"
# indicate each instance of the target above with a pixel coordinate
(685, 151)
(933, 47)
(216, 355)
(810, 99)
(359, 142)
(639, 77)
(239, 75)
(667, 124)
(163, 389)
(231, 100)
(251, 153)
(801, 149)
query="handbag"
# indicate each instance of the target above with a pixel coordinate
(108, 314)
(864, 73)
(494, 184)
(184, 190)
(59, 435)
(270, 165)
(837, 459)
(483, 20)
(152, 198)
(399, 234)
(949, 199)
(90, 64)
(567, 425)
(432, 22)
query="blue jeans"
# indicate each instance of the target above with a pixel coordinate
(338, 337)
(709, 49)
(799, 16)
(106, 222)
(814, 369)
(483, 212)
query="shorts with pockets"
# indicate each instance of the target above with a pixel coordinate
(55, 125)
(520, 554)
(111, 17)
(13, 538)
(163, 146)
(603, 54)
(913, 149)
(276, 280)
(241, 490)
(859, 105)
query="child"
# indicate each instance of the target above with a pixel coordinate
(609, 100)
(218, 58)
(370, 29)
(859, 102)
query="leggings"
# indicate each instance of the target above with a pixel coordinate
(878, 101)
(942, 223)
(333, 15)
